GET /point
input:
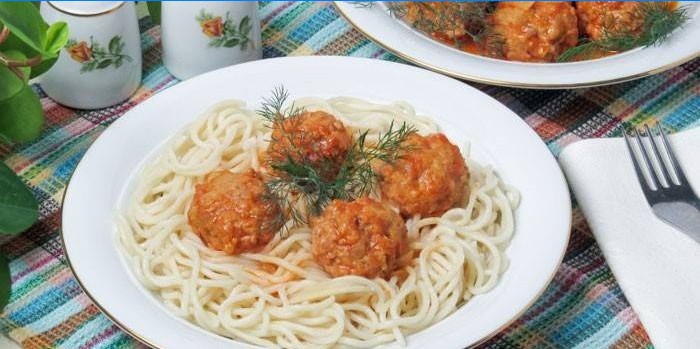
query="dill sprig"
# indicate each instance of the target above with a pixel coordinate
(299, 187)
(458, 19)
(277, 117)
(357, 167)
(659, 21)
(272, 108)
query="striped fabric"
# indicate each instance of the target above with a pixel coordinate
(582, 308)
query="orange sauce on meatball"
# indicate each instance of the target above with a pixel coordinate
(230, 214)
(362, 237)
(428, 16)
(526, 31)
(427, 180)
(535, 31)
(316, 137)
(597, 17)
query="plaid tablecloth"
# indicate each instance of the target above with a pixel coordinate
(582, 308)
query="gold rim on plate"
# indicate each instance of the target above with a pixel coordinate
(462, 76)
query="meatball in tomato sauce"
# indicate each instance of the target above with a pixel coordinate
(362, 237)
(317, 138)
(229, 212)
(597, 17)
(429, 179)
(446, 20)
(534, 31)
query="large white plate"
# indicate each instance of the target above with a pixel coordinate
(409, 44)
(105, 175)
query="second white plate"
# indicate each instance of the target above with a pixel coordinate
(415, 47)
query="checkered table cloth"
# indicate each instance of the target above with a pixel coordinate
(583, 307)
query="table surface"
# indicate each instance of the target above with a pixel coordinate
(583, 307)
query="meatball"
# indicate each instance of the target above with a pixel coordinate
(444, 20)
(428, 180)
(362, 237)
(535, 31)
(230, 213)
(317, 138)
(597, 18)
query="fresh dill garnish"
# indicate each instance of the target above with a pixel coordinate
(299, 187)
(357, 167)
(281, 119)
(659, 21)
(362, 4)
(395, 9)
(457, 20)
(272, 108)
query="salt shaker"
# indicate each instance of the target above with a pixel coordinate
(101, 64)
(199, 36)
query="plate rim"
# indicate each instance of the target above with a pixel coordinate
(143, 338)
(496, 82)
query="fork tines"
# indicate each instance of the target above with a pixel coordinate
(654, 159)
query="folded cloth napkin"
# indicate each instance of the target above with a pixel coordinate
(657, 266)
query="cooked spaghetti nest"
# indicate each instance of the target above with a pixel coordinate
(280, 297)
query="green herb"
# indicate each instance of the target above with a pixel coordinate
(658, 24)
(273, 111)
(299, 187)
(396, 9)
(458, 19)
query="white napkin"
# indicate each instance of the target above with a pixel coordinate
(657, 266)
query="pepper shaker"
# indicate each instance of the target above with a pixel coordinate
(199, 36)
(101, 64)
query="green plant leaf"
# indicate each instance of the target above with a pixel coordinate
(25, 22)
(21, 116)
(14, 43)
(154, 11)
(5, 282)
(10, 84)
(56, 38)
(42, 67)
(18, 207)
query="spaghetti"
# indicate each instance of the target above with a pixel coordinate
(280, 297)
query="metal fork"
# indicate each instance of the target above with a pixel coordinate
(666, 188)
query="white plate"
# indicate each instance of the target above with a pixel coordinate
(106, 173)
(413, 46)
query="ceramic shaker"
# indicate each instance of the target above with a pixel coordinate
(199, 36)
(101, 64)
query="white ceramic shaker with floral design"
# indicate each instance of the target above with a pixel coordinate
(199, 36)
(101, 64)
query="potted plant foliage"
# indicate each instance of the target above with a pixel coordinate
(28, 47)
